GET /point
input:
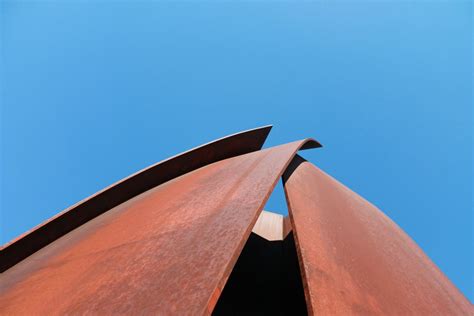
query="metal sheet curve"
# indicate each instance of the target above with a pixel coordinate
(167, 251)
(354, 259)
(123, 190)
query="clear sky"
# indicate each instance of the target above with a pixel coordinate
(93, 91)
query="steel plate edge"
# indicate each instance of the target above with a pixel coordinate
(226, 147)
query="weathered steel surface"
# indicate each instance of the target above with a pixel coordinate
(167, 251)
(354, 259)
(80, 213)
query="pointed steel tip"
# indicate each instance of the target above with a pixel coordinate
(265, 131)
(269, 126)
(265, 128)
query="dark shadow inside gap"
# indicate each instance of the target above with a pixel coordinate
(266, 280)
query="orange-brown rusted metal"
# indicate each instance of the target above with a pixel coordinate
(80, 213)
(166, 251)
(354, 259)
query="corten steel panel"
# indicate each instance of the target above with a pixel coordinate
(80, 213)
(166, 251)
(354, 259)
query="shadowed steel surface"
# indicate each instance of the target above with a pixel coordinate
(166, 251)
(265, 281)
(354, 259)
(80, 213)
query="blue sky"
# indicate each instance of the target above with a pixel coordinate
(93, 91)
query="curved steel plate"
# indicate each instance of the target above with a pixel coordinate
(167, 251)
(354, 259)
(123, 190)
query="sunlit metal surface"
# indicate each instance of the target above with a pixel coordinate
(80, 213)
(354, 259)
(271, 226)
(165, 240)
(166, 251)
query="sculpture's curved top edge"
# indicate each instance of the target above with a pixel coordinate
(41, 235)
(310, 144)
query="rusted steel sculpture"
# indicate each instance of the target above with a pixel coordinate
(166, 241)
(354, 259)
(148, 178)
